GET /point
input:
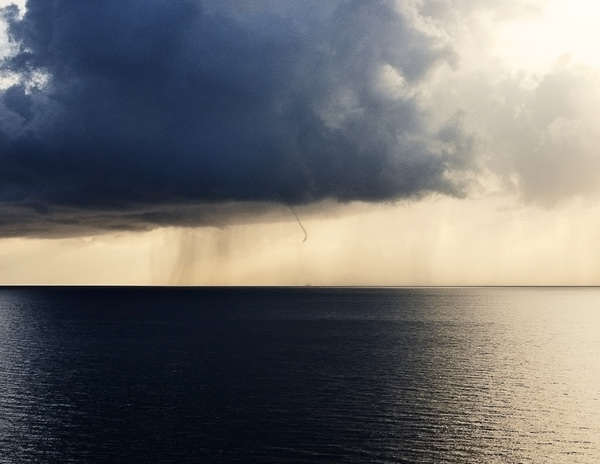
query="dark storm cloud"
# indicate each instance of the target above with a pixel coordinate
(129, 114)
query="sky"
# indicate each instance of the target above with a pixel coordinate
(276, 142)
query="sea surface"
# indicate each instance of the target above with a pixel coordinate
(300, 375)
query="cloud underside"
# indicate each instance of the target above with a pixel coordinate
(120, 115)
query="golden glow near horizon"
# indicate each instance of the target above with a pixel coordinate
(441, 242)
(494, 238)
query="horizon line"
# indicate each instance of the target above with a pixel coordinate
(307, 286)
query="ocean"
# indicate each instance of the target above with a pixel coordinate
(299, 375)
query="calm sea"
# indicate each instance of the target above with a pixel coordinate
(427, 375)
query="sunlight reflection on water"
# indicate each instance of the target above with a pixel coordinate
(300, 375)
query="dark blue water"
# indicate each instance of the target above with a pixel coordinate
(300, 375)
